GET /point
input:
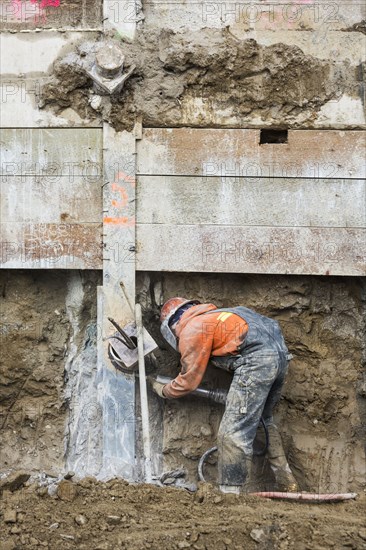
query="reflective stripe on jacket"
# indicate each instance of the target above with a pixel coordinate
(203, 332)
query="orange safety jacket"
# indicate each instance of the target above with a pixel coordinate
(200, 336)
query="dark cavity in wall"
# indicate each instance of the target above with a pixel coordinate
(273, 136)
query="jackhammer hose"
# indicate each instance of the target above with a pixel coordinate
(209, 452)
(203, 459)
(308, 497)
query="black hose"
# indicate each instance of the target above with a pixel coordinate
(209, 452)
(203, 460)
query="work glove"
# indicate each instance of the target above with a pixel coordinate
(158, 388)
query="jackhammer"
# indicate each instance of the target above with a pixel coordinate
(218, 396)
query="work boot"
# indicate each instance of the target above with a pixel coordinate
(276, 455)
(235, 478)
(285, 480)
(248, 486)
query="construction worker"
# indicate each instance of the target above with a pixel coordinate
(250, 346)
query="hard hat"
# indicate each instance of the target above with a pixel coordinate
(167, 311)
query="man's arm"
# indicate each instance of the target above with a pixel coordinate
(195, 346)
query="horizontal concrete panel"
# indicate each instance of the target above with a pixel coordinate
(257, 15)
(45, 153)
(26, 62)
(335, 45)
(51, 199)
(316, 251)
(35, 53)
(17, 15)
(54, 199)
(246, 201)
(51, 245)
(122, 17)
(345, 113)
(19, 107)
(220, 152)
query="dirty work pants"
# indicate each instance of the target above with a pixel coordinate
(254, 391)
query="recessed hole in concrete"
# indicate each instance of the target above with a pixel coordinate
(273, 136)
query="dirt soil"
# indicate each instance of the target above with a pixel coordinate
(36, 334)
(103, 516)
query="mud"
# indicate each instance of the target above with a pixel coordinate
(37, 344)
(105, 516)
(322, 415)
(184, 78)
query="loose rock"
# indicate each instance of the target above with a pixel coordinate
(80, 520)
(10, 516)
(258, 535)
(66, 490)
(113, 520)
(14, 481)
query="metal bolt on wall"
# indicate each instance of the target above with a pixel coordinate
(107, 70)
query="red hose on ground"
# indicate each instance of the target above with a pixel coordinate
(312, 497)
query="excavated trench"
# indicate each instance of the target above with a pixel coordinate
(322, 413)
(49, 334)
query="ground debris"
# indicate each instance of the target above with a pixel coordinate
(113, 520)
(14, 481)
(67, 537)
(66, 490)
(172, 518)
(80, 520)
(10, 516)
(258, 535)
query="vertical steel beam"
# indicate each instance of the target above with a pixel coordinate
(116, 391)
(122, 17)
(116, 298)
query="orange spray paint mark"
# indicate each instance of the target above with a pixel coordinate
(124, 177)
(129, 222)
(124, 196)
